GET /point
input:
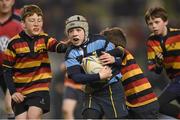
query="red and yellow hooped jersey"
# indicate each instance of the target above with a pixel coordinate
(169, 47)
(28, 58)
(138, 90)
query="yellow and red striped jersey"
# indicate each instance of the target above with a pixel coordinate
(169, 46)
(28, 58)
(138, 90)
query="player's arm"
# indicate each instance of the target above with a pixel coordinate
(9, 80)
(54, 46)
(8, 75)
(117, 52)
(9, 58)
(80, 77)
(155, 65)
(154, 60)
(114, 51)
(76, 72)
(113, 56)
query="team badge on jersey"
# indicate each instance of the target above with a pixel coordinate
(4, 40)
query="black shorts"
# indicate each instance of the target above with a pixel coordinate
(71, 93)
(3, 83)
(109, 102)
(39, 99)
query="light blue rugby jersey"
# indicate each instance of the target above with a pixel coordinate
(96, 44)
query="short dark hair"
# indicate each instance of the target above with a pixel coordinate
(115, 35)
(156, 12)
(29, 10)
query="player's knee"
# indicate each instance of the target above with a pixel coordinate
(21, 116)
(67, 111)
(34, 116)
(34, 113)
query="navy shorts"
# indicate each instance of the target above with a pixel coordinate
(39, 99)
(109, 101)
(71, 93)
(77, 95)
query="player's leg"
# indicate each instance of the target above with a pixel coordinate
(34, 113)
(91, 108)
(149, 111)
(113, 102)
(165, 98)
(8, 105)
(79, 106)
(20, 110)
(68, 108)
(92, 114)
(71, 99)
(38, 103)
(22, 116)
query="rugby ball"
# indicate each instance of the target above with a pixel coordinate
(91, 64)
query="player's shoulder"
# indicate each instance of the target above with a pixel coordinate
(97, 37)
(14, 39)
(174, 31)
(16, 15)
(71, 47)
(43, 34)
(153, 37)
(18, 11)
(98, 40)
(70, 52)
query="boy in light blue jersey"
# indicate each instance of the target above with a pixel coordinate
(102, 98)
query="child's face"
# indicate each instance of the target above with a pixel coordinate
(33, 24)
(76, 36)
(157, 26)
